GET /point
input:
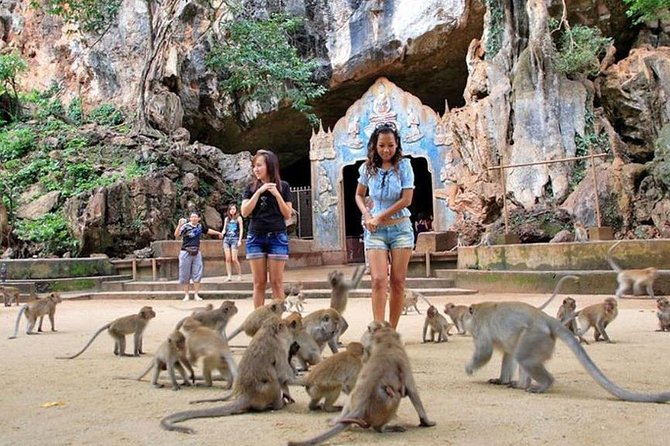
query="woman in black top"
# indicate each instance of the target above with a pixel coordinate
(267, 204)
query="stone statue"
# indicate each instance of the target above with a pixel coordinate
(414, 133)
(353, 129)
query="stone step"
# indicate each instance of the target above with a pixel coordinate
(590, 282)
(239, 294)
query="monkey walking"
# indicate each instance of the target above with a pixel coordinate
(385, 378)
(170, 355)
(216, 319)
(38, 309)
(410, 300)
(527, 337)
(297, 301)
(663, 313)
(339, 293)
(119, 328)
(599, 317)
(460, 316)
(638, 278)
(10, 294)
(264, 374)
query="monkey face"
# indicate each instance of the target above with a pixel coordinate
(569, 303)
(662, 303)
(432, 312)
(147, 313)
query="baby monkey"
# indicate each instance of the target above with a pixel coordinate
(171, 355)
(438, 326)
(567, 314)
(663, 314)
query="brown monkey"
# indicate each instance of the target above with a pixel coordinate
(438, 326)
(38, 309)
(385, 378)
(663, 313)
(567, 314)
(170, 355)
(324, 326)
(460, 315)
(216, 319)
(206, 343)
(638, 278)
(293, 289)
(366, 339)
(581, 235)
(339, 292)
(119, 328)
(256, 318)
(263, 379)
(10, 294)
(411, 298)
(527, 336)
(333, 375)
(309, 352)
(598, 316)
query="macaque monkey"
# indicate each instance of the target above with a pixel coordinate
(262, 384)
(663, 313)
(581, 235)
(598, 316)
(567, 314)
(527, 336)
(638, 278)
(366, 338)
(171, 355)
(324, 326)
(487, 238)
(460, 242)
(293, 289)
(339, 292)
(296, 301)
(118, 329)
(460, 315)
(308, 351)
(10, 294)
(410, 300)
(38, 309)
(216, 319)
(206, 343)
(333, 375)
(385, 378)
(256, 318)
(438, 326)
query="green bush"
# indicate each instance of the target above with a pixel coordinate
(106, 114)
(75, 111)
(51, 230)
(646, 10)
(577, 50)
(16, 142)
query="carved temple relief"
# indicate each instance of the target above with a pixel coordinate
(382, 109)
(354, 141)
(321, 145)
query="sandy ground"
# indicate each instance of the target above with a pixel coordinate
(92, 407)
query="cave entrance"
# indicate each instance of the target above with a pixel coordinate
(335, 156)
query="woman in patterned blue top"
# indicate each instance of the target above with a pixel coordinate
(389, 237)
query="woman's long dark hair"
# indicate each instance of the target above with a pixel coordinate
(374, 161)
(272, 165)
(237, 210)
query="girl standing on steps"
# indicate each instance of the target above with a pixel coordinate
(267, 202)
(390, 180)
(233, 230)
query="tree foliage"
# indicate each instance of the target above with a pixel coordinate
(577, 48)
(646, 10)
(258, 61)
(11, 65)
(91, 16)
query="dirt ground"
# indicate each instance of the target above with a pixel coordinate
(77, 402)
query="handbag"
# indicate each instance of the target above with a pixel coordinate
(193, 250)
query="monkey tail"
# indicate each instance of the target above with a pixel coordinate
(24, 307)
(168, 423)
(214, 400)
(556, 288)
(423, 298)
(339, 427)
(151, 366)
(609, 258)
(104, 327)
(566, 336)
(180, 323)
(235, 332)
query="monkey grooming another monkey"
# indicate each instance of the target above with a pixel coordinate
(10, 294)
(333, 375)
(134, 324)
(38, 309)
(567, 314)
(460, 316)
(385, 378)
(206, 343)
(170, 355)
(256, 318)
(438, 326)
(527, 336)
(263, 379)
(581, 234)
(638, 278)
(598, 316)
(324, 326)
(308, 351)
(216, 319)
(663, 313)
(339, 293)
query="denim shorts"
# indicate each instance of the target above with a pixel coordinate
(274, 245)
(230, 242)
(397, 236)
